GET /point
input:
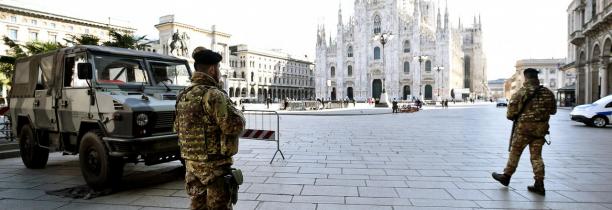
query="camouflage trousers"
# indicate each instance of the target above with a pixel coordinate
(519, 142)
(211, 194)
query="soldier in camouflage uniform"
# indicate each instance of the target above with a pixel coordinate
(531, 128)
(208, 127)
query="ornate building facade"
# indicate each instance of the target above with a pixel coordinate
(590, 48)
(246, 73)
(269, 74)
(426, 57)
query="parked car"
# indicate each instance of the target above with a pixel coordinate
(502, 102)
(597, 114)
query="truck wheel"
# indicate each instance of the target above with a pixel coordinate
(599, 122)
(99, 169)
(32, 155)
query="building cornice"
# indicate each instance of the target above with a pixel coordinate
(201, 30)
(62, 18)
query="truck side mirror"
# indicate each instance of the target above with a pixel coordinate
(85, 71)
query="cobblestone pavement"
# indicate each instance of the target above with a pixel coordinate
(434, 159)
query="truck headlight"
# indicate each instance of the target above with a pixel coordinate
(142, 120)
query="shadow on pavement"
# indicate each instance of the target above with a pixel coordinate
(137, 180)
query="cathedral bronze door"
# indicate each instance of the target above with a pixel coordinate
(428, 92)
(333, 94)
(406, 92)
(376, 89)
(349, 93)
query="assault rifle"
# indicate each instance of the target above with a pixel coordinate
(520, 112)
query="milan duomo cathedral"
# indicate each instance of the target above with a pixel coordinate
(423, 56)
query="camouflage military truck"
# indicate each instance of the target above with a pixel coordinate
(110, 106)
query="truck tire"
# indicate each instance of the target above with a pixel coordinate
(32, 155)
(100, 170)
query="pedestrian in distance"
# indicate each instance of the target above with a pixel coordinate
(394, 107)
(208, 128)
(530, 109)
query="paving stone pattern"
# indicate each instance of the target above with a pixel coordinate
(434, 159)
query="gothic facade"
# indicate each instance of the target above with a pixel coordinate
(425, 57)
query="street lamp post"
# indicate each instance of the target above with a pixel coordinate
(441, 85)
(383, 38)
(420, 59)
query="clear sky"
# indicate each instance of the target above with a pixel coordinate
(513, 29)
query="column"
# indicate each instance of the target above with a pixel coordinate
(603, 75)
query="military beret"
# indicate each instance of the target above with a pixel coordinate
(204, 56)
(531, 73)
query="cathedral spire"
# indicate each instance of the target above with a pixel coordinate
(339, 12)
(446, 17)
(417, 10)
(439, 20)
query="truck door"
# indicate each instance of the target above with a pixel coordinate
(44, 100)
(74, 105)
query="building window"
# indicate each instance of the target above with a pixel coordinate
(406, 67)
(34, 22)
(14, 19)
(377, 24)
(406, 46)
(252, 76)
(234, 75)
(12, 33)
(243, 76)
(333, 71)
(376, 53)
(594, 9)
(53, 37)
(33, 36)
(428, 66)
(350, 51)
(350, 71)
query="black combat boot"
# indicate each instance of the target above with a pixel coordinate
(501, 178)
(537, 188)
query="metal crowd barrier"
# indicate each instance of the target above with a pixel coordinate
(5, 125)
(263, 125)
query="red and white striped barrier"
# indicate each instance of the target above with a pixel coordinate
(259, 134)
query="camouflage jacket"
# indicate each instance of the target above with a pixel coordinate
(534, 119)
(206, 122)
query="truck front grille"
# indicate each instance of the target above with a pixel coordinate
(164, 120)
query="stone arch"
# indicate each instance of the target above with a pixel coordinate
(231, 92)
(350, 51)
(252, 95)
(244, 92)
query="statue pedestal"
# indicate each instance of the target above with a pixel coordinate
(383, 102)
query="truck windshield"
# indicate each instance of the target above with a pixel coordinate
(120, 70)
(169, 73)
